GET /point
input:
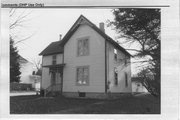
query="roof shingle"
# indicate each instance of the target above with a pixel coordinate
(52, 48)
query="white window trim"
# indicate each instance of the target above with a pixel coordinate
(83, 38)
(88, 81)
(54, 59)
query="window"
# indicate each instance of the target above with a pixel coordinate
(83, 47)
(126, 79)
(115, 76)
(82, 94)
(115, 54)
(138, 85)
(125, 61)
(53, 78)
(54, 59)
(82, 75)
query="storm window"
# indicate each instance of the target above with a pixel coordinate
(115, 76)
(126, 80)
(125, 61)
(83, 47)
(115, 54)
(82, 75)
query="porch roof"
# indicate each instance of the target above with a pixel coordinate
(53, 48)
(55, 66)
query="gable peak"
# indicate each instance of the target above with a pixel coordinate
(83, 20)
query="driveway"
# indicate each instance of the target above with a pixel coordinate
(22, 93)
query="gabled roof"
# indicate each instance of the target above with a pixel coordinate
(22, 60)
(84, 20)
(53, 48)
(57, 47)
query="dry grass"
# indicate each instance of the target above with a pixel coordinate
(142, 104)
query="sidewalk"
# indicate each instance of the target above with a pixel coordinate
(22, 93)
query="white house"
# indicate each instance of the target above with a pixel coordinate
(26, 69)
(137, 86)
(86, 63)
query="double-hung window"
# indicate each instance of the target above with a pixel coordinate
(54, 59)
(83, 47)
(125, 61)
(115, 76)
(126, 79)
(82, 75)
(115, 55)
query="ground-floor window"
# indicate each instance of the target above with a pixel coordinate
(126, 79)
(82, 75)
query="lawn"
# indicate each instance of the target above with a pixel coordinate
(139, 104)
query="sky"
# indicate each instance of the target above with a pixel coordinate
(45, 25)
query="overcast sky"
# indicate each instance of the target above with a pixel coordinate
(47, 24)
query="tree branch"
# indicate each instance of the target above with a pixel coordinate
(134, 50)
(19, 41)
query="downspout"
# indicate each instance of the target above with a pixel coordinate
(41, 74)
(105, 67)
(62, 73)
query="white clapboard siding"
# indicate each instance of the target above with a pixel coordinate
(45, 78)
(120, 88)
(95, 60)
(47, 60)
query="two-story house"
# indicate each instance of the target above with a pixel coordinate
(86, 63)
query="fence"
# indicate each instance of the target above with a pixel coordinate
(20, 86)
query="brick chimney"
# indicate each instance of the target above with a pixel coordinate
(101, 26)
(60, 36)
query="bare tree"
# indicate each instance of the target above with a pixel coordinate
(141, 27)
(17, 22)
(37, 63)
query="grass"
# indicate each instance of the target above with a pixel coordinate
(40, 105)
(125, 105)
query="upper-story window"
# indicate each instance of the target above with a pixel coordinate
(83, 47)
(115, 76)
(115, 54)
(126, 60)
(126, 79)
(54, 59)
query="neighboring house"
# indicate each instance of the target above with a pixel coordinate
(86, 63)
(27, 69)
(137, 85)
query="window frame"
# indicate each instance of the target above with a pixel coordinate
(115, 77)
(126, 60)
(54, 59)
(83, 39)
(115, 54)
(126, 79)
(87, 82)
